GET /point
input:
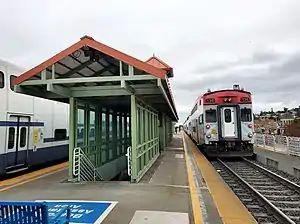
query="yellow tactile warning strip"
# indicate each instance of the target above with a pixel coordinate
(198, 217)
(230, 208)
(25, 178)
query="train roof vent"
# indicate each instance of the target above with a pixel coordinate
(208, 90)
(236, 87)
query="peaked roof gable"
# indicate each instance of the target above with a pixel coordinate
(155, 61)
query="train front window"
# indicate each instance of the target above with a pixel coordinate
(227, 115)
(1, 80)
(12, 77)
(246, 115)
(211, 116)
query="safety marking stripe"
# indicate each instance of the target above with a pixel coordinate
(199, 183)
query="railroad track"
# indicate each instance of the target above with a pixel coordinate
(269, 197)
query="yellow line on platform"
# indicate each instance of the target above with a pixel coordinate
(229, 206)
(25, 178)
(198, 218)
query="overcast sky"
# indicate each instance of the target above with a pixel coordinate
(210, 44)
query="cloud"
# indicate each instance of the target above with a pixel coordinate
(210, 44)
(274, 84)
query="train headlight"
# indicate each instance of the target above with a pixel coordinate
(207, 126)
(208, 136)
(249, 125)
(250, 135)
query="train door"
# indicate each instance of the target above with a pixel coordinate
(17, 143)
(228, 121)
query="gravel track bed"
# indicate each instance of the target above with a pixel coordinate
(279, 172)
(284, 198)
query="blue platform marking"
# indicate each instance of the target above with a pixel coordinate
(82, 212)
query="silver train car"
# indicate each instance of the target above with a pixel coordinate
(221, 123)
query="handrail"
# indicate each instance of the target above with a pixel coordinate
(83, 168)
(129, 160)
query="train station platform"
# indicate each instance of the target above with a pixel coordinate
(181, 187)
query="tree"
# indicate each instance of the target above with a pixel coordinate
(293, 129)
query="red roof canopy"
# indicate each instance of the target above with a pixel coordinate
(90, 42)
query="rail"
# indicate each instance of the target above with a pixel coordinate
(279, 143)
(83, 168)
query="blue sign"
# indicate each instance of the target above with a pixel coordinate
(87, 212)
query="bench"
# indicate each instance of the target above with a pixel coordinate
(28, 212)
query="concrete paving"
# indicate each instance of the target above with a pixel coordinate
(162, 196)
(167, 194)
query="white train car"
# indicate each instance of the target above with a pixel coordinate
(221, 123)
(33, 130)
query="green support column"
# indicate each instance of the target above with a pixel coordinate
(114, 134)
(121, 142)
(146, 126)
(107, 148)
(98, 134)
(162, 132)
(72, 133)
(134, 133)
(86, 125)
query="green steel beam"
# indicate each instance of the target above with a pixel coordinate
(91, 93)
(127, 87)
(114, 90)
(78, 68)
(88, 80)
(58, 90)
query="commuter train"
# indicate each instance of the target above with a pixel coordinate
(33, 130)
(221, 123)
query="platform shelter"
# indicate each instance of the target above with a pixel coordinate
(121, 109)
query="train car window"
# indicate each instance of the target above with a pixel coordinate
(1, 80)
(23, 137)
(211, 116)
(12, 77)
(201, 119)
(11, 137)
(227, 115)
(60, 134)
(246, 115)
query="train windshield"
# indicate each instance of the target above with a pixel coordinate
(246, 115)
(211, 116)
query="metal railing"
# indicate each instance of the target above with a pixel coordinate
(129, 160)
(83, 168)
(284, 144)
